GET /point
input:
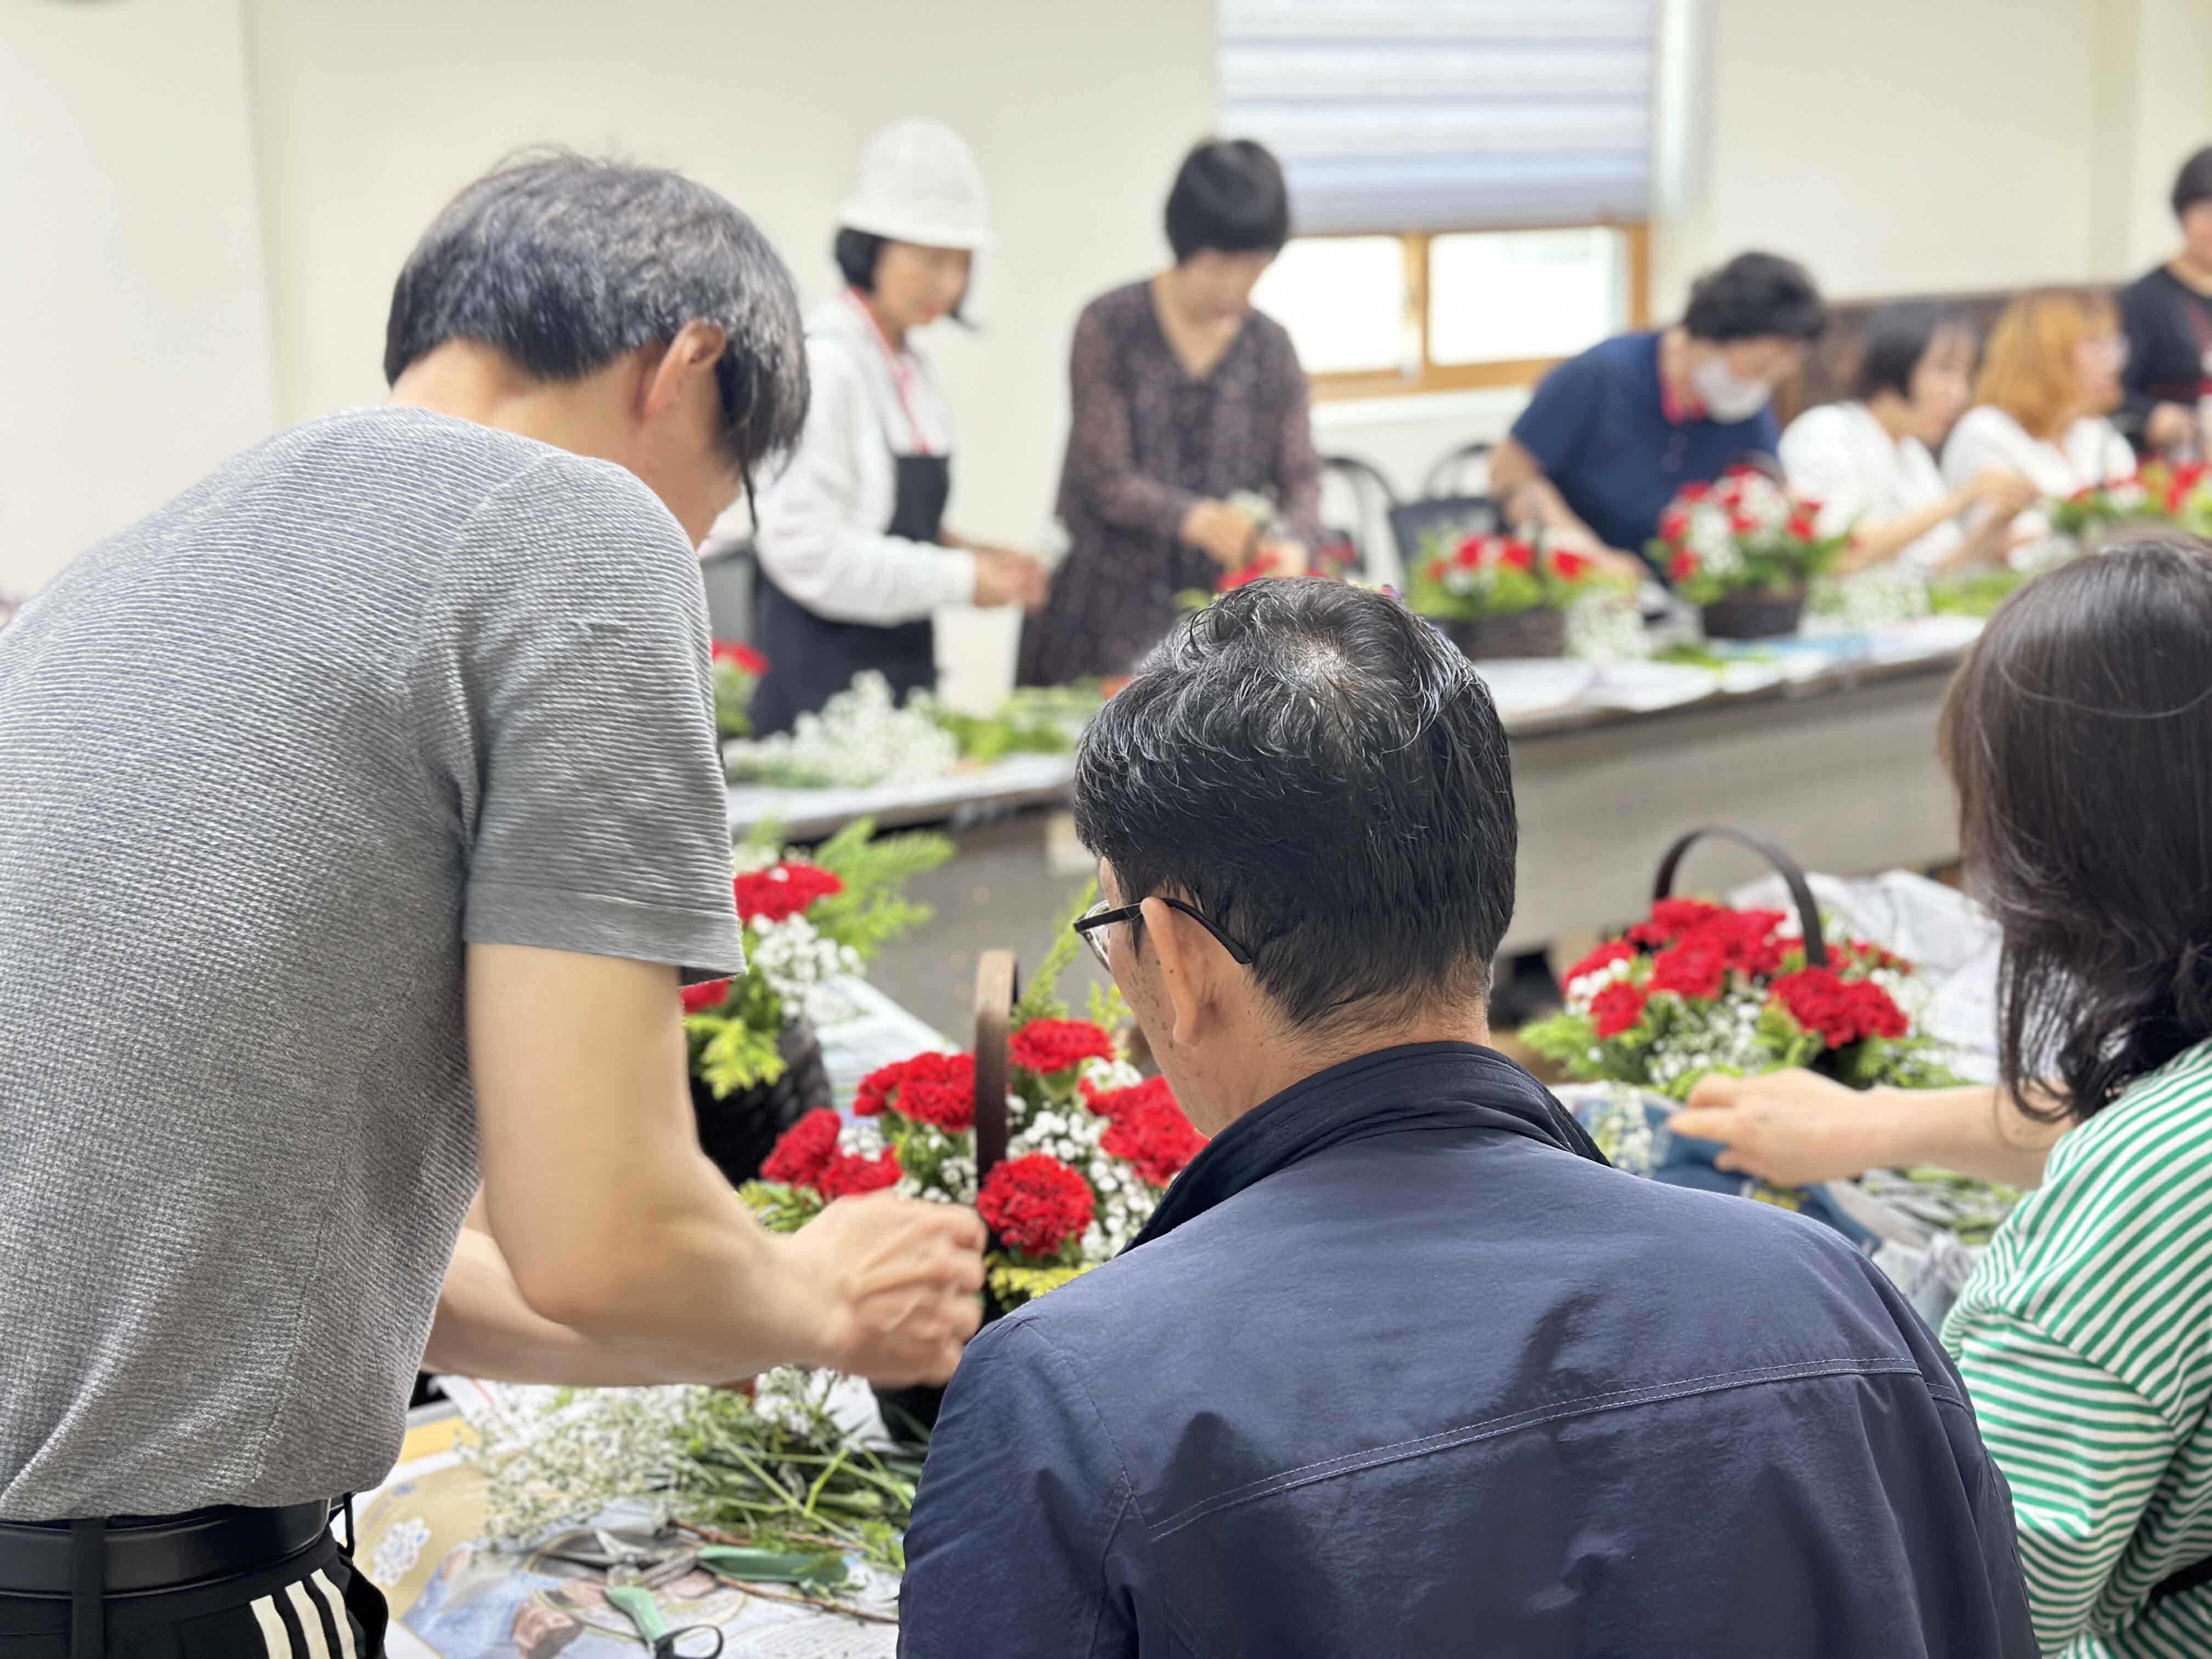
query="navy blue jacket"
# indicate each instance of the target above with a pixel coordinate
(1403, 1368)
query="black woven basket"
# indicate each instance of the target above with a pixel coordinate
(910, 1414)
(1754, 615)
(1541, 632)
(739, 1130)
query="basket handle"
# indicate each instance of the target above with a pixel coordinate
(998, 982)
(1800, 890)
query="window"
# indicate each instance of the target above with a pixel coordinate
(1375, 316)
(1499, 149)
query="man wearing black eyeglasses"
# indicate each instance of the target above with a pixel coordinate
(1400, 1365)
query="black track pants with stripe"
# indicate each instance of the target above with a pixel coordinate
(314, 1606)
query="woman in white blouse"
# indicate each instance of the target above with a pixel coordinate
(853, 553)
(2048, 379)
(1868, 462)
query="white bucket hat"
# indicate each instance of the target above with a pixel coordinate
(918, 182)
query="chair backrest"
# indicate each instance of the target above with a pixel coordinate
(1415, 524)
(726, 567)
(1356, 500)
(1460, 472)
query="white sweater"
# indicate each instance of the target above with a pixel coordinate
(1841, 457)
(822, 517)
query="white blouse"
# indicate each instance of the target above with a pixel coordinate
(822, 517)
(2090, 451)
(1841, 457)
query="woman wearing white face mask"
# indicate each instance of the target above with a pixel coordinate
(1612, 435)
(853, 553)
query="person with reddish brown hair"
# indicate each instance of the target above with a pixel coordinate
(2051, 376)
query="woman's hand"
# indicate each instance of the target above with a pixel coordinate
(2003, 493)
(1791, 1129)
(1005, 577)
(1223, 533)
(2171, 426)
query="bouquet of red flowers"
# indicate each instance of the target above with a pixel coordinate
(1476, 577)
(737, 671)
(1090, 1147)
(1697, 988)
(1743, 534)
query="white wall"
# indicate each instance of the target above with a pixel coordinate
(370, 116)
(134, 339)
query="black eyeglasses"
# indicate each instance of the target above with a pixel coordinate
(1089, 926)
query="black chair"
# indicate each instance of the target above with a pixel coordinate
(1417, 526)
(1463, 471)
(727, 569)
(1366, 499)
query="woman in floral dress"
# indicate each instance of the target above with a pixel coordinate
(1183, 396)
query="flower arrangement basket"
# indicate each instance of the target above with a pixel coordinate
(1697, 989)
(1540, 632)
(910, 1414)
(1757, 615)
(1061, 1144)
(737, 1131)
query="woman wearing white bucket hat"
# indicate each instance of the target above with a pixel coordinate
(854, 554)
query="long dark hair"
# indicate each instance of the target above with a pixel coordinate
(2080, 736)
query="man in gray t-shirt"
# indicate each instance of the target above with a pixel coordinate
(357, 811)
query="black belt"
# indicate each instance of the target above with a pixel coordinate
(145, 1555)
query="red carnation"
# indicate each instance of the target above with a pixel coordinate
(1469, 553)
(1840, 1010)
(1694, 492)
(1675, 523)
(1516, 555)
(783, 891)
(728, 654)
(1689, 970)
(1801, 523)
(1035, 1204)
(1120, 1103)
(930, 1088)
(1682, 566)
(1670, 919)
(803, 1150)
(1265, 564)
(1604, 957)
(1156, 1137)
(1049, 1046)
(706, 999)
(848, 1174)
(1743, 938)
(1569, 566)
(1616, 1008)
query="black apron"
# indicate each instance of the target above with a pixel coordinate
(811, 659)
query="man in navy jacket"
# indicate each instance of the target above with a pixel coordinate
(1401, 1366)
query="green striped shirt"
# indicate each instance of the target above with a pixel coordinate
(2086, 1340)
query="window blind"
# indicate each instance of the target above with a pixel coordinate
(1445, 114)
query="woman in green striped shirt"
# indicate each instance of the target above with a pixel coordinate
(2079, 735)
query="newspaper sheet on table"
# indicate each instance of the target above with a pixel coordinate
(454, 1598)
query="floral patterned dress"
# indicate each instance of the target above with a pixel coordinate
(1147, 442)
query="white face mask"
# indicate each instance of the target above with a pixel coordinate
(1726, 394)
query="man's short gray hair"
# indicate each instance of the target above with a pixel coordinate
(564, 262)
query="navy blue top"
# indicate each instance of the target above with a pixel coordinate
(1598, 428)
(1407, 1376)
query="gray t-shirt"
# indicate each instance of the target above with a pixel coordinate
(388, 682)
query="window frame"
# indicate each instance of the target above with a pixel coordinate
(1430, 376)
